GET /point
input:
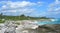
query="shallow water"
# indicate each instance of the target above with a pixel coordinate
(55, 21)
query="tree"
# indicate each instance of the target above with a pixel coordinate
(22, 15)
(1, 15)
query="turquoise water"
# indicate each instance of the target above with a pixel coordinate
(56, 21)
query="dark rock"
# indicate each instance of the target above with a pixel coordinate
(55, 28)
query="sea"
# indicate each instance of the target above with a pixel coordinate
(54, 21)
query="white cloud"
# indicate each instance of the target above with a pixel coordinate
(57, 9)
(10, 11)
(23, 7)
(54, 8)
(18, 4)
(4, 6)
(22, 11)
(57, 2)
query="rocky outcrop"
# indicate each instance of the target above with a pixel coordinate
(28, 27)
(54, 28)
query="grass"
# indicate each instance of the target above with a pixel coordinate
(1, 21)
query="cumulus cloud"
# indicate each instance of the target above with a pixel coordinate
(19, 4)
(53, 10)
(23, 7)
(57, 9)
(54, 7)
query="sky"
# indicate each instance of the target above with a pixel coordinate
(34, 8)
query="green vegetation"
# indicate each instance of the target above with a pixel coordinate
(21, 17)
(1, 21)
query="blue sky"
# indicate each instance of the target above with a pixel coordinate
(35, 8)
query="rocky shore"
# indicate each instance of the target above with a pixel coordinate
(28, 27)
(54, 28)
(46, 29)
